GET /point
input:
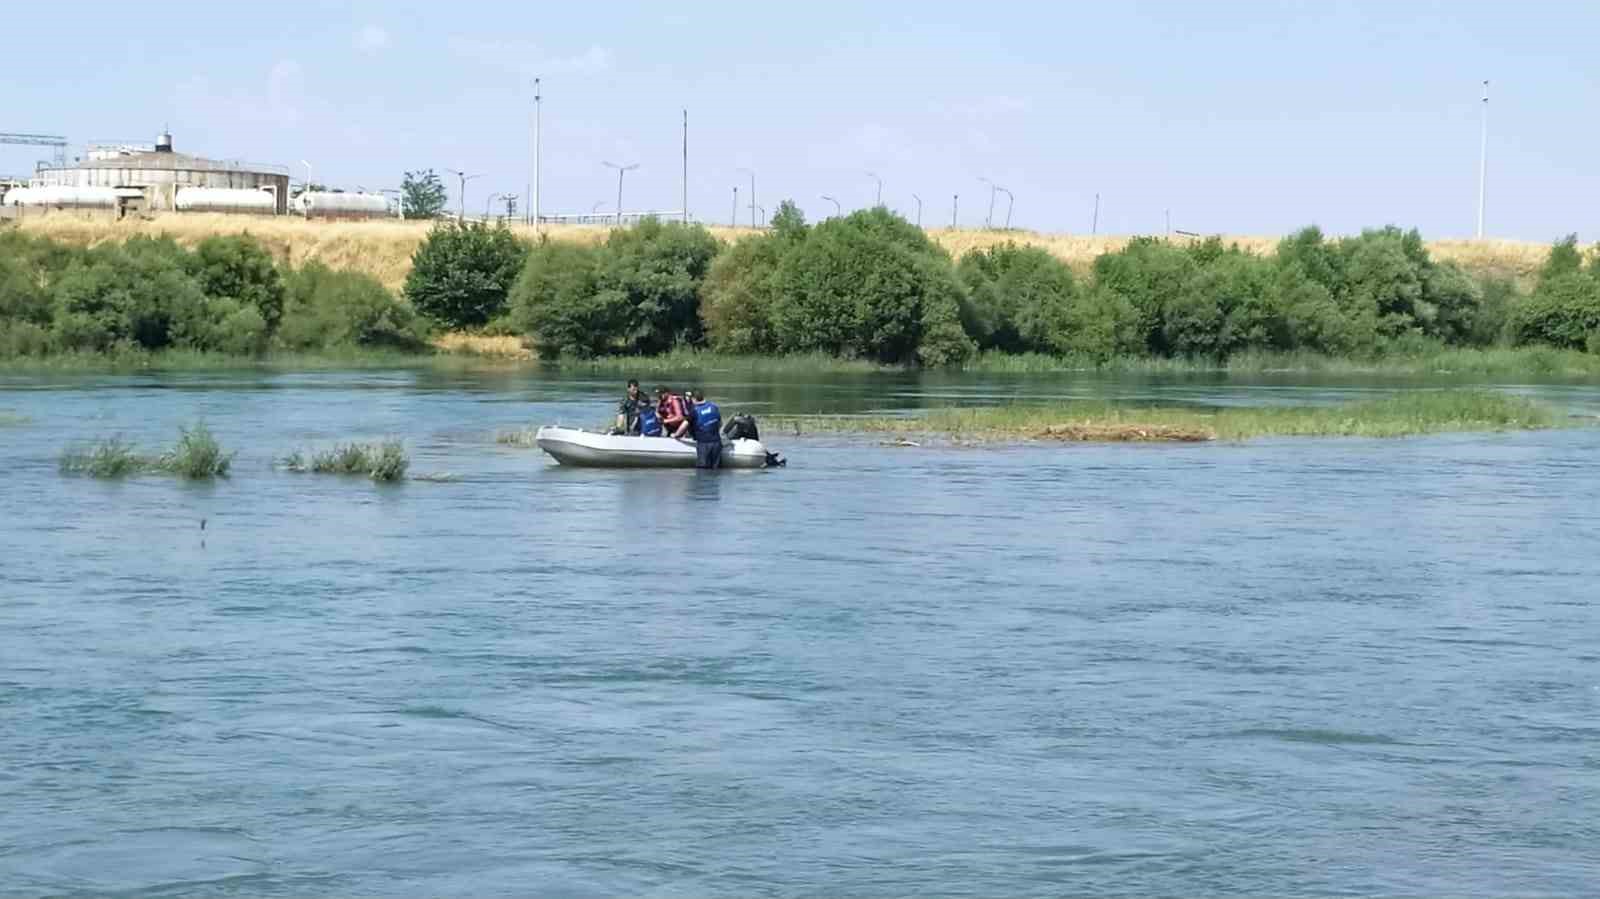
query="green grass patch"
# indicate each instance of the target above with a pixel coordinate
(1399, 415)
(12, 420)
(196, 456)
(686, 360)
(1440, 361)
(385, 461)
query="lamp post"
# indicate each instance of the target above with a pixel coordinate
(1483, 158)
(874, 176)
(621, 170)
(461, 216)
(538, 102)
(489, 201)
(308, 176)
(919, 209)
(988, 221)
(752, 173)
(763, 216)
(837, 211)
(733, 220)
(955, 209)
(1011, 201)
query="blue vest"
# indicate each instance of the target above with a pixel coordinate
(649, 424)
(707, 422)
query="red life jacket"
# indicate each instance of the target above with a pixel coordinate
(673, 409)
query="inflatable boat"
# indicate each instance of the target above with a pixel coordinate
(573, 446)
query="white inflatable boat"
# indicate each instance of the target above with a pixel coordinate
(573, 446)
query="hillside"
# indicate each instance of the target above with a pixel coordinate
(383, 248)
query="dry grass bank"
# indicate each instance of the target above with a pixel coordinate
(383, 248)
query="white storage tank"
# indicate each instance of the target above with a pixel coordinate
(226, 199)
(57, 196)
(321, 204)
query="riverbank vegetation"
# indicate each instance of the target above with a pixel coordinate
(859, 293)
(1398, 415)
(196, 456)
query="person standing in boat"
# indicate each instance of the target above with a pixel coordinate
(628, 409)
(674, 411)
(707, 432)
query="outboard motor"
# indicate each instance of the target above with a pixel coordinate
(741, 427)
(776, 460)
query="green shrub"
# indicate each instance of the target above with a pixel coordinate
(23, 338)
(656, 269)
(1564, 311)
(462, 274)
(557, 301)
(1018, 299)
(326, 309)
(239, 269)
(739, 292)
(117, 296)
(869, 286)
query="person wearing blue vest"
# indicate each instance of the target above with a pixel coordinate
(707, 432)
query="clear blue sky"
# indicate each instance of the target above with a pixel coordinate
(1241, 119)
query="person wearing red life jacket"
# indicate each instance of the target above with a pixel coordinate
(673, 410)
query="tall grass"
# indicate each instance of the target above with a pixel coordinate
(385, 461)
(1538, 361)
(196, 456)
(1399, 415)
(383, 248)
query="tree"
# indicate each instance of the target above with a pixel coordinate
(738, 294)
(1017, 298)
(461, 274)
(657, 268)
(422, 195)
(238, 268)
(557, 300)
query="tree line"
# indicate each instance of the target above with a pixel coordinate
(867, 286)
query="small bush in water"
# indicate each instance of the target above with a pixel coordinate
(197, 456)
(385, 461)
(111, 457)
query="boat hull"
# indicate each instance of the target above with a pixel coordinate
(571, 446)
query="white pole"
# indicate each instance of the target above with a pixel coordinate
(537, 98)
(1483, 158)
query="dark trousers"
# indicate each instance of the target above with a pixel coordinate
(708, 454)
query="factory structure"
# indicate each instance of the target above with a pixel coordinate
(122, 180)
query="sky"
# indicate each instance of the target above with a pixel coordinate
(1230, 118)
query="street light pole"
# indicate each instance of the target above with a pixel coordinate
(733, 220)
(919, 209)
(621, 170)
(308, 176)
(488, 201)
(461, 216)
(874, 177)
(988, 221)
(752, 195)
(837, 211)
(684, 204)
(1011, 201)
(538, 98)
(1094, 223)
(955, 210)
(1483, 158)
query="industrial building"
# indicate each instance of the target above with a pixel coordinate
(130, 179)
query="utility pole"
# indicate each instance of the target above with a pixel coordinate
(461, 216)
(874, 176)
(955, 209)
(919, 209)
(733, 220)
(621, 170)
(837, 212)
(538, 99)
(1483, 158)
(752, 195)
(684, 205)
(1169, 224)
(1094, 222)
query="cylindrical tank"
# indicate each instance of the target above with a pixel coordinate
(332, 205)
(63, 197)
(223, 199)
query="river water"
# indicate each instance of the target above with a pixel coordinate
(1295, 667)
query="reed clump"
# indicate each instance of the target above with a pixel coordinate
(1400, 415)
(196, 456)
(385, 461)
